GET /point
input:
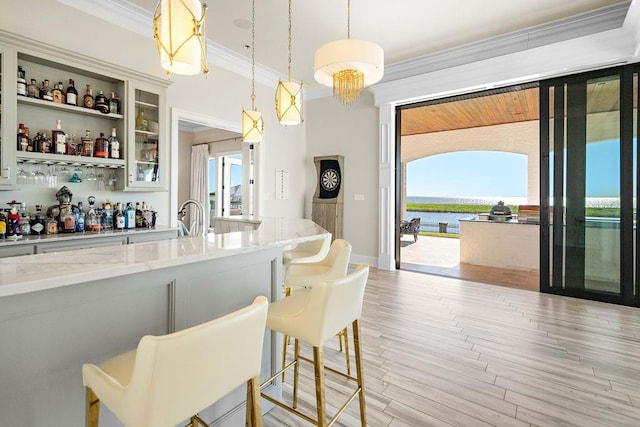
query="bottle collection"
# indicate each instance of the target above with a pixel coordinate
(65, 217)
(69, 96)
(61, 142)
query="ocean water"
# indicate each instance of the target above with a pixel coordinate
(430, 221)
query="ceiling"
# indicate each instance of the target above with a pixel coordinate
(405, 29)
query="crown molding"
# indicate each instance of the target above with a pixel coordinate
(604, 19)
(140, 21)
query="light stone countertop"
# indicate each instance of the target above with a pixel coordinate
(65, 237)
(239, 218)
(30, 273)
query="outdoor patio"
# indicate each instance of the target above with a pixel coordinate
(441, 256)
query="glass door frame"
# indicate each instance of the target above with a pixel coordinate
(552, 274)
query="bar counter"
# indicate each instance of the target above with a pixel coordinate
(60, 310)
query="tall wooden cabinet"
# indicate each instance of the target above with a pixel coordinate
(143, 161)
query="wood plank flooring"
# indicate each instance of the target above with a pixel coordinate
(440, 351)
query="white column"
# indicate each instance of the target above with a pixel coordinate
(386, 192)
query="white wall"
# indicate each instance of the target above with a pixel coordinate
(350, 131)
(221, 96)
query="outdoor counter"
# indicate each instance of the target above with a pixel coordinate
(60, 310)
(508, 245)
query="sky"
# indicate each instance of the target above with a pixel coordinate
(494, 173)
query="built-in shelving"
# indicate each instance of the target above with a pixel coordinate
(68, 108)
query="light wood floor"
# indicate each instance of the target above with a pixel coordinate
(441, 351)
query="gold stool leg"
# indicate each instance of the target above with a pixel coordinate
(285, 338)
(92, 408)
(296, 353)
(318, 364)
(254, 411)
(359, 372)
(345, 332)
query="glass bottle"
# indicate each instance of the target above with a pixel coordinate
(72, 94)
(141, 122)
(68, 220)
(139, 219)
(23, 139)
(56, 93)
(25, 220)
(114, 104)
(130, 216)
(101, 147)
(91, 222)
(52, 225)
(87, 144)
(120, 221)
(114, 145)
(88, 98)
(33, 91)
(45, 91)
(37, 222)
(22, 82)
(102, 103)
(29, 141)
(80, 219)
(107, 216)
(59, 139)
(3, 225)
(72, 146)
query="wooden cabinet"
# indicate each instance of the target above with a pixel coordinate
(142, 162)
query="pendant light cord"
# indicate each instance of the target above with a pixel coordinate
(348, 19)
(253, 55)
(290, 39)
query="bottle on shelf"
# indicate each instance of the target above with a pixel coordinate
(57, 94)
(59, 139)
(88, 101)
(87, 144)
(101, 148)
(102, 103)
(141, 122)
(45, 91)
(130, 216)
(139, 219)
(3, 225)
(68, 220)
(114, 145)
(25, 220)
(72, 146)
(114, 104)
(52, 225)
(33, 91)
(120, 221)
(23, 139)
(72, 94)
(80, 218)
(92, 222)
(22, 82)
(38, 223)
(107, 216)
(30, 146)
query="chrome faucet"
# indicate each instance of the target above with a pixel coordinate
(197, 226)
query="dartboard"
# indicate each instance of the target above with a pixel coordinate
(330, 179)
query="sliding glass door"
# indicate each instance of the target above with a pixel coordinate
(588, 185)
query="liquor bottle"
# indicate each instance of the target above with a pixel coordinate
(68, 219)
(129, 217)
(72, 94)
(88, 98)
(22, 82)
(92, 223)
(29, 141)
(45, 145)
(72, 146)
(52, 225)
(114, 145)
(102, 103)
(23, 139)
(56, 93)
(141, 122)
(139, 219)
(80, 219)
(37, 222)
(3, 225)
(107, 216)
(59, 139)
(87, 144)
(101, 147)
(114, 104)
(33, 91)
(120, 221)
(36, 142)
(45, 91)
(25, 220)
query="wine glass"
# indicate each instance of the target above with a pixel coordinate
(113, 178)
(38, 176)
(63, 170)
(21, 175)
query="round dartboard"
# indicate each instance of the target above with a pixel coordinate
(330, 179)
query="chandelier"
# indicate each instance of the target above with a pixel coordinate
(289, 94)
(178, 28)
(349, 65)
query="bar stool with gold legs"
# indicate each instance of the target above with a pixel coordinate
(313, 316)
(306, 252)
(300, 274)
(169, 379)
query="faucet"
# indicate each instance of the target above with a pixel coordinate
(197, 226)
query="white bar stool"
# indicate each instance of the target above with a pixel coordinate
(313, 316)
(312, 251)
(170, 378)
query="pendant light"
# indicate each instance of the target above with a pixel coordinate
(252, 123)
(349, 65)
(179, 31)
(289, 94)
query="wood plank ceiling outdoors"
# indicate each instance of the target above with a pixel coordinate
(495, 109)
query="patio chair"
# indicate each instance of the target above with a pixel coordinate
(410, 227)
